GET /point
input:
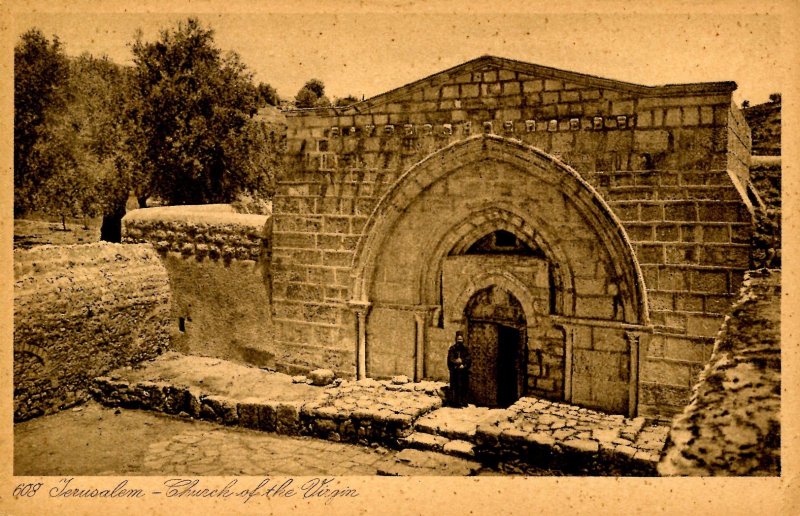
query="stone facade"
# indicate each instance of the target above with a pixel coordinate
(80, 311)
(635, 199)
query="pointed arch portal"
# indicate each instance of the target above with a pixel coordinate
(492, 214)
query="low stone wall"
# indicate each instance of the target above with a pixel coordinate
(80, 311)
(366, 413)
(371, 411)
(218, 263)
(732, 423)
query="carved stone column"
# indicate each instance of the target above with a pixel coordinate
(361, 309)
(569, 342)
(421, 320)
(634, 344)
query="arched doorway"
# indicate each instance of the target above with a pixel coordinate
(497, 341)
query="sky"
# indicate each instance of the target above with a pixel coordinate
(365, 54)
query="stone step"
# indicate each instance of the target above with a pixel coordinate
(424, 441)
(460, 448)
(364, 412)
(413, 462)
(438, 443)
(457, 423)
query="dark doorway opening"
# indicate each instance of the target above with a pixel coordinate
(508, 365)
(497, 340)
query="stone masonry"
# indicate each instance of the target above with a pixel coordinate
(637, 198)
(80, 311)
(218, 266)
(530, 435)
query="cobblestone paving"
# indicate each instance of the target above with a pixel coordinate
(241, 452)
(545, 434)
(579, 439)
(392, 413)
(368, 410)
(566, 423)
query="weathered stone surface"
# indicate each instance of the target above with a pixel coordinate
(425, 441)
(80, 311)
(220, 409)
(532, 433)
(732, 425)
(288, 418)
(321, 377)
(670, 163)
(457, 423)
(571, 439)
(459, 448)
(215, 260)
(411, 462)
(582, 445)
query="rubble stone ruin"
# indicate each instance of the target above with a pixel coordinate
(587, 235)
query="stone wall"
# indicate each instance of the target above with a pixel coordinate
(80, 311)
(668, 160)
(765, 121)
(691, 232)
(740, 144)
(218, 266)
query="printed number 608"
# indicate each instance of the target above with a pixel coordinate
(27, 489)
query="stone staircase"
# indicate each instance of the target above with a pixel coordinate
(451, 430)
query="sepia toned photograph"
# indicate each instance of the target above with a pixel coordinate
(336, 244)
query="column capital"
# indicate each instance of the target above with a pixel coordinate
(359, 307)
(633, 337)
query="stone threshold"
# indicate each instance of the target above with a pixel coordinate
(531, 433)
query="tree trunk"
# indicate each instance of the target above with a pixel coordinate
(142, 201)
(64, 221)
(111, 229)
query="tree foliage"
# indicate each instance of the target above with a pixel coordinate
(267, 96)
(69, 131)
(178, 124)
(316, 86)
(40, 98)
(346, 101)
(192, 106)
(97, 113)
(311, 95)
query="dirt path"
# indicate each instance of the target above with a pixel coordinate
(96, 440)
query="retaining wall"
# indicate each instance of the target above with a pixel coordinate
(80, 311)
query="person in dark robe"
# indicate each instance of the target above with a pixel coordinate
(458, 362)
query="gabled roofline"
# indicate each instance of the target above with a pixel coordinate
(480, 63)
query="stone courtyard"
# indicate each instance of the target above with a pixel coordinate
(530, 435)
